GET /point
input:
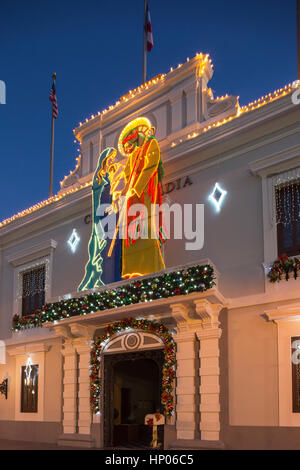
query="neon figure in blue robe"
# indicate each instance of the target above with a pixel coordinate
(101, 269)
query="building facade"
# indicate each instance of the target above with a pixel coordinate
(234, 335)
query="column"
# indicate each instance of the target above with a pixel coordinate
(82, 341)
(192, 105)
(83, 348)
(176, 112)
(187, 375)
(209, 371)
(70, 388)
(186, 386)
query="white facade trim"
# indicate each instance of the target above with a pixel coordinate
(47, 261)
(27, 256)
(274, 169)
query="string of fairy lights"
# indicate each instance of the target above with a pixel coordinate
(198, 278)
(204, 61)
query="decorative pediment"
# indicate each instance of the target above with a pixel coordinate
(132, 340)
(226, 104)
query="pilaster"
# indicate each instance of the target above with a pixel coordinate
(70, 388)
(198, 370)
(187, 376)
(209, 371)
(77, 416)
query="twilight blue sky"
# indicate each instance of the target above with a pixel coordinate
(95, 47)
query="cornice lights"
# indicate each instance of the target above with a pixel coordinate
(240, 110)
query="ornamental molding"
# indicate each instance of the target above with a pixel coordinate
(31, 254)
(38, 220)
(180, 312)
(273, 164)
(157, 93)
(132, 340)
(63, 332)
(208, 312)
(80, 331)
(201, 315)
(184, 336)
(284, 313)
(161, 308)
(75, 331)
(233, 129)
(28, 349)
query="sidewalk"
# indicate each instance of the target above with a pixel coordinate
(19, 445)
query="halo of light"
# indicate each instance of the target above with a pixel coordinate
(141, 121)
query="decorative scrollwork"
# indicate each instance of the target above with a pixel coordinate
(3, 388)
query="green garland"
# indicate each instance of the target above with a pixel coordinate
(283, 268)
(167, 399)
(183, 282)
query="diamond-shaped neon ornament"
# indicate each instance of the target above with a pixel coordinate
(73, 241)
(217, 196)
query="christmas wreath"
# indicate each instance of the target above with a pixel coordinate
(168, 371)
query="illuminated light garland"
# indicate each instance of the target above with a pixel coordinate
(78, 160)
(240, 110)
(168, 369)
(186, 281)
(45, 203)
(154, 81)
(264, 100)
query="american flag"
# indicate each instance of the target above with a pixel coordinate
(148, 29)
(53, 100)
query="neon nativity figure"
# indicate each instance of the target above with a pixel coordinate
(139, 184)
(95, 275)
(141, 252)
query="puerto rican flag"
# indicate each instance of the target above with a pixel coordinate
(148, 29)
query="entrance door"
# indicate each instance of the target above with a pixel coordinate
(132, 390)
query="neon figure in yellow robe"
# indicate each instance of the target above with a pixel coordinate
(143, 173)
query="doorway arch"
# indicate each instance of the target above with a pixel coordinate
(138, 377)
(155, 330)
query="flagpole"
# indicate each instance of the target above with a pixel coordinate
(298, 39)
(144, 44)
(52, 148)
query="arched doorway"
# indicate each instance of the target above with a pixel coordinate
(132, 389)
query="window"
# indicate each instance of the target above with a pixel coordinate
(288, 218)
(295, 346)
(29, 388)
(33, 290)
